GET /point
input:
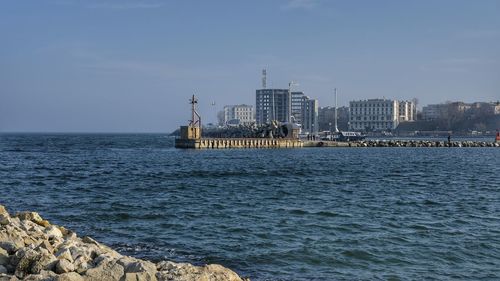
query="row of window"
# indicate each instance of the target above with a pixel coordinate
(370, 111)
(376, 125)
(371, 118)
(371, 105)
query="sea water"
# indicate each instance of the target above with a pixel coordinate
(268, 214)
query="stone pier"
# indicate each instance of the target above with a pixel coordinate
(224, 143)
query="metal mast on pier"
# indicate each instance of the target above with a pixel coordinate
(336, 128)
(195, 116)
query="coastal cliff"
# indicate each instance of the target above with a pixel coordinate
(33, 249)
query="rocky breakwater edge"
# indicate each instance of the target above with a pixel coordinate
(421, 143)
(33, 249)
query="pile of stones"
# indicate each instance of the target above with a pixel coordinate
(420, 143)
(33, 249)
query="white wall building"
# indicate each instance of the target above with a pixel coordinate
(374, 114)
(407, 111)
(238, 114)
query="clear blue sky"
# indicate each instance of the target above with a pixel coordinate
(131, 65)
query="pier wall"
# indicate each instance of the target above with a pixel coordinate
(224, 143)
(220, 143)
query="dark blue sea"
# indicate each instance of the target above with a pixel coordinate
(283, 214)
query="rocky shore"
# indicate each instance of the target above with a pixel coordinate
(33, 249)
(422, 143)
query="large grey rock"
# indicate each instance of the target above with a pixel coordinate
(188, 272)
(53, 231)
(64, 266)
(138, 270)
(43, 261)
(87, 253)
(27, 259)
(81, 264)
(30, 216)
(88, 240)
(135, 265)
(3, 210)
(3, 269)
(42, 276)
(45, 244)
(106, 270)
(70, 276)
(139, 276)
(4, 219)
(8, 246)
(64, 254)
(4, 257)
(11, 244)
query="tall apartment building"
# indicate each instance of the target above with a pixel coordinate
(374, 114)
(273, 104)
(238, 114)
(309, 115)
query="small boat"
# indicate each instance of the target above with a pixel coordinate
(338, 135)
(348, 136)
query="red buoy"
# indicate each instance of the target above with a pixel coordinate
(497, 139)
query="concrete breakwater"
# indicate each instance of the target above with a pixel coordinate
(33, 249)
(218, 143)
(423, 143)
(224, 143)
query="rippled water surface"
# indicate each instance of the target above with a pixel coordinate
(287, 214)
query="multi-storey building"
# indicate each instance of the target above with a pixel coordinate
(374, 114)
(433, 111)
(407, 111)
(238, 114)
(453, 109)
(297, 101)
(326, 118)
(272, 104)
(309, 115)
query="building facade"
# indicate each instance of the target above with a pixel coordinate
(453, 109)
(374, 114)
(273, 104)
(407, 111)
(309, 116)
(241, 114)
(433, 111)
(326, 118)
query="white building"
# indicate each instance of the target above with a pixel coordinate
(407, 111)
(238, 114)
(374, 114)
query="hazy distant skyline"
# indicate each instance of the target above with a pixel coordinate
(132, 65)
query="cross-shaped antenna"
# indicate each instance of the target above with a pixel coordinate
(193, 100)
(195, 117)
